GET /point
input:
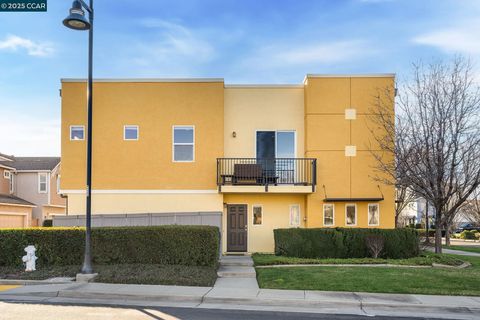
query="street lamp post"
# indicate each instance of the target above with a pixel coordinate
(76, 21)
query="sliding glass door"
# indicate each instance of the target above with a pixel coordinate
(276, 151)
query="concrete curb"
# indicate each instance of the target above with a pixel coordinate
(31, 282)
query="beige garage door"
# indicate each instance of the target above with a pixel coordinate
(11, 221)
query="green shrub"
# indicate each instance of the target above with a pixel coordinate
(47, 223)
(344, 243)
(468, 234)
(168, 245)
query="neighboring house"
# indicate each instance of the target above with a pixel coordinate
(34, 180)
(14, 212)
(247, 158)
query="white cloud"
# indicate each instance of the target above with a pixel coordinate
(312, 54)
(463, 39)
(24, 135)
(177, 40)
(13, 43)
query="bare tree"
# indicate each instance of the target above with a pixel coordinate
(375, 244)
(471, 209)
(437, 141)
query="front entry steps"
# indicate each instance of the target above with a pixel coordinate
(236, 272)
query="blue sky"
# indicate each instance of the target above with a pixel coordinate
(248, 41)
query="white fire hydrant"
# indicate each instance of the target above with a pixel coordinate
(30, 258)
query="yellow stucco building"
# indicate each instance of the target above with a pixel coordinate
(247, 158)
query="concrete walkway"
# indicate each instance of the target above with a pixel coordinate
(236, 272)
(457, 252)
(244, 297)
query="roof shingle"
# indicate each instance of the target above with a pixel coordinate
(32, 163)
(11, 199)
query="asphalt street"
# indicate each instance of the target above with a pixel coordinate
(21, 311)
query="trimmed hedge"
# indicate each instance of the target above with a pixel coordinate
(344, 243)
(167, 245)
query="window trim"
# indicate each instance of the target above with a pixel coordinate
(7, 174)
(77, 126)
(253, 214)
(368, 214)
(333, 218)
(46, 182)
(182, 143)
(130, 126)
(299, 215)
(356, 214)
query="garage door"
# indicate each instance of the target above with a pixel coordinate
(11, 221)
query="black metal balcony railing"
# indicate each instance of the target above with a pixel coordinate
(264, 172)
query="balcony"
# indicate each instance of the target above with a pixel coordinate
(278, 175)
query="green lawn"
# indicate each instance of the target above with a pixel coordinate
(425, 259)
(376, 279)
(475, 249)
(125, 273)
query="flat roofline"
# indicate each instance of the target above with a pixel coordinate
(265, 86)
(145, 80)
(359, 75)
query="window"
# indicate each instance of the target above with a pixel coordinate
(58, 184)
(42, 183)
(11, 183)
(373, 214)
(295, 215)
(6, 174)
(77, 132)
(183, 143)
(130, 133)
(351, 214)
(328, 214)
(257, 215)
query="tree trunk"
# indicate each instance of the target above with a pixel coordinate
(438, 236)
(396, 220)
(447, 234)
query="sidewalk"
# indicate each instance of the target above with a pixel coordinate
(457, 252)
(446, 307)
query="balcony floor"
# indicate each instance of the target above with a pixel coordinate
(263, 189)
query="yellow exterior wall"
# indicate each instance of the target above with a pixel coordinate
(275, 214)
(328, 132)
(146, 203)
(248, 109)
(147, 163)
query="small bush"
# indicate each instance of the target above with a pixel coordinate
(468, 234)
(344, 243)
(167, 245)
(375, 243)
(47, 223)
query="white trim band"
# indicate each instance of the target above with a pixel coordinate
(153, 191)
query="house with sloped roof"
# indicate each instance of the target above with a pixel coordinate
(28, 190)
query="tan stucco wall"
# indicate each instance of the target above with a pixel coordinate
(276, 214)
(55, 198)
(48, 211)
(146, 203)
(4, 183)
(147, 163)
(26, 187)
(248, 109)
(327, 134)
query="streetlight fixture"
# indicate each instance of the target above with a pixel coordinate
(77, 21)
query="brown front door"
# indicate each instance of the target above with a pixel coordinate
(237, 228)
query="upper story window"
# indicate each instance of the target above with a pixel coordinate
(6, 174)
(77, 132)
(328, 214)
(42, 182)
(183, 143)
(130, 132)
(351, 214)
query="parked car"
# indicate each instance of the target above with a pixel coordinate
(467, 226)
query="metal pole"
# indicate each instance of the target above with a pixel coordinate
(87, 259)
(427, 240)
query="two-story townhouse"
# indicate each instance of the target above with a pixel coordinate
(35, 180)
(250, 158)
